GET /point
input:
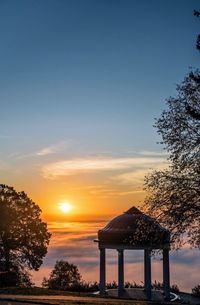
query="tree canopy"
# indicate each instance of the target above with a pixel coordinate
(179, 125)
(64, 276)
(174, 194)
(23, 235)
(197, 14)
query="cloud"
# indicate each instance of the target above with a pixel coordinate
(74, 243)
(92, 165)
(186, 256)
(135, 178)
(125, 193)
(51, 149)
(154, 153)
(105, 191)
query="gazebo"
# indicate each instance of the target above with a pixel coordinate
(133, 230)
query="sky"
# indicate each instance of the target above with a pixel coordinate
(81, 83)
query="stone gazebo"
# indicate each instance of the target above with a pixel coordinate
(133, 230)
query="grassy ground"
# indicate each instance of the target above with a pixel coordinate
(86, 301)
(55, 297)
(81, 302)
(27, 296)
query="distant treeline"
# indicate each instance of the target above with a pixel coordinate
(84, 286)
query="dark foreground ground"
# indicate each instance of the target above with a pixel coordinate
(39, 296)
(70, 300)
(15, 303)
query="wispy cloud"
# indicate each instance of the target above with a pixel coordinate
(92, 165)
(105, 191)
(52, 149)
(154, 153)
(135, 178)
(45, 151)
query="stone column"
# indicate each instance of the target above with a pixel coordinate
(166, 274)
(147, 272)
(102, 286)
(120, 272)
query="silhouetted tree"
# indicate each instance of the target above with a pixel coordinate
(197, 14)
(196, 291)
(179, 126)
(23, 236)
(64, 276)
(174, 194)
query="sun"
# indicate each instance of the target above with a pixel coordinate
(65, 207)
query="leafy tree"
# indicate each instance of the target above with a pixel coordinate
(179, 125)
(174, 194)
(197, 14)
(64, 276)
(18, 276)
(196, 291)
(23, 236)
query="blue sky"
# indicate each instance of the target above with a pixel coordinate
(87, 78)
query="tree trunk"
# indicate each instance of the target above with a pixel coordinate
(7, 259)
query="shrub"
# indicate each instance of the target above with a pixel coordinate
(196, 291)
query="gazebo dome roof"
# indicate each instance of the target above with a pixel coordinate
(134, 228)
